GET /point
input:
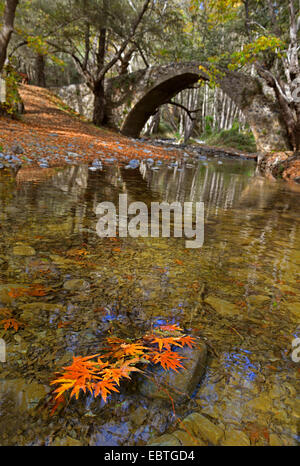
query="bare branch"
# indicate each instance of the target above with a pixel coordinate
(189, 112)
(112, 62)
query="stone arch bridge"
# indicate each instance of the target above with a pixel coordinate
(132, 98)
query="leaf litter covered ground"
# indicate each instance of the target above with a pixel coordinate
(47, 132)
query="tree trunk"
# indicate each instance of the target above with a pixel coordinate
(7, 29)
(99, 114)
(40, 70)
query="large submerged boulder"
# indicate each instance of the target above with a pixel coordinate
(178, 385)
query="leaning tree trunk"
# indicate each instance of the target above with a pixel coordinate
(40, 70)
(7, 28)
(99, 104)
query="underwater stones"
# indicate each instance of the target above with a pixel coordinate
(23, 250)
(166, 440)
(76, 285)
(140, 416)
(186, 439)
(225, 308)
(257, 300)
(294, 308)
(262, 403)
(5, 291)
(181, 384)
(111, 434)
(66, 442)
(201, 427)
(235, 438)
(35, 313)
(275, 441)
(25, 395)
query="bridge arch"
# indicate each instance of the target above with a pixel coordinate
(157, 96)
(133, 98)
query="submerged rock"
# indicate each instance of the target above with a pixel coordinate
(66, 442)
(165, 440)
(194, 430)
(23, 250)
(257, 300)
(201, 427)
(180, 385)
(76, 285)
(294, 308)
(25, 395)
(236, 438)
(5, 292)
(225, 308)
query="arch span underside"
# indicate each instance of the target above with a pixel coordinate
(134, 98)
(152, 100)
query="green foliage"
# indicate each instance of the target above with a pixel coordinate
(13, 100)
(208, 125)
(255, 50)
(233, 138)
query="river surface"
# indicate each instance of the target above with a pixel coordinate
(239, 292)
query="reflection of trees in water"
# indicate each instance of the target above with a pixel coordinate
(248, 210)
(249, 207)
(216, 187)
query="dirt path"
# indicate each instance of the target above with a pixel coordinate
(46, 132)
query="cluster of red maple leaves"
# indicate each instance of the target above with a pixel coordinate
(101, 374)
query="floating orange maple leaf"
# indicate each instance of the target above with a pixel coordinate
(33, 290)
(166, 342)
(11, 323)
(168, 360)
(64, 324)
(133, 349)
(104, 388)
(77, 376)
(170, 327)
(102, 376)
(187, 340)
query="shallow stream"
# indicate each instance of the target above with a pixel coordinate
(240, 293)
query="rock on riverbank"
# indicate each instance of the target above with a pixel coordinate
(280, 165)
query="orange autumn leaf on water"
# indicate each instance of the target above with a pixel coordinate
(187, 340)
(166, 342)
(77, 252)
(64, 324)
(33, 290)
(177, 261)
(37, 290)
(104, 388)
(76, 376)
(17, 292)
(11, 323)
(101, 375)
(168, 360)
(170, 328)
(59, 401)
(132, 349)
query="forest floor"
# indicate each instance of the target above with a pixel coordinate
(49, 133)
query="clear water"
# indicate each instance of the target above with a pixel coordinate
(240, 292)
